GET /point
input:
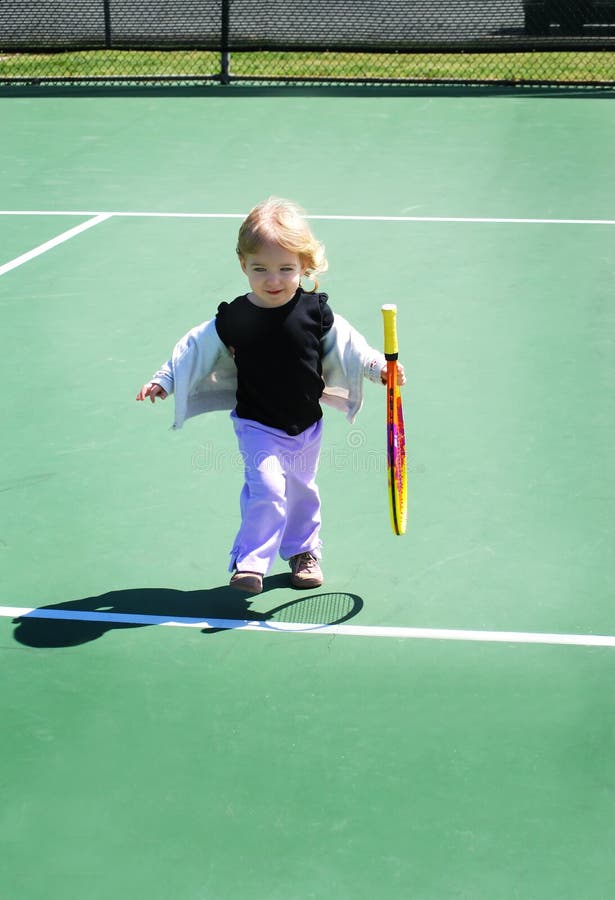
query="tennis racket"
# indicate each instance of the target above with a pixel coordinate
(396, 438)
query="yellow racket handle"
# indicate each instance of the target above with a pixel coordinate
(389, 315)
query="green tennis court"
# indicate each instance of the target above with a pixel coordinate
(448, 731)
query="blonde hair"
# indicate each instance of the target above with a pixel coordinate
(282, 222)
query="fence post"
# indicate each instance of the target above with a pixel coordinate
(107, 12)
(225, 56)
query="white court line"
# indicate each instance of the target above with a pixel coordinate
(387, 631)
(488, 220)
(48, 245)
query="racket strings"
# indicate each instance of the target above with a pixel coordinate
(320, 609)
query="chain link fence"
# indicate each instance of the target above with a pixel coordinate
(323, 41)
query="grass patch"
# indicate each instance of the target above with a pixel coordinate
(557, 66)
(530, 66)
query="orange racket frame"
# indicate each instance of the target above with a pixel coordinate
(396, 436)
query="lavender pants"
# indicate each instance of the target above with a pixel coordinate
(280, 503)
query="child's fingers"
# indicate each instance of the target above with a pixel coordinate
(401, 375)
(152, 391)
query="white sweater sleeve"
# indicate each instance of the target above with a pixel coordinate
(347, 360)
(200, 373)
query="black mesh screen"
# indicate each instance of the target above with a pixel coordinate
(86, 24)
(160, 23)
(375, 25)
(514, 41)
(50, 24)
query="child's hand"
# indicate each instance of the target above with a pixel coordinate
(152, 390)
(401, 375)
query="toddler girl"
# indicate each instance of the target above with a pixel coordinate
(272, 355)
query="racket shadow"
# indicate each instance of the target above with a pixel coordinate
(311, 612)
(77, 622)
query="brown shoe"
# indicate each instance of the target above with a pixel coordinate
(305, 571)
(250, 582)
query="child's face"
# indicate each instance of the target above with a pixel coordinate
(273, 273)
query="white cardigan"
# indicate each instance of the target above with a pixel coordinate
(201, 373)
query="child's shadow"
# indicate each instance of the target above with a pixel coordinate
(80, 621)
